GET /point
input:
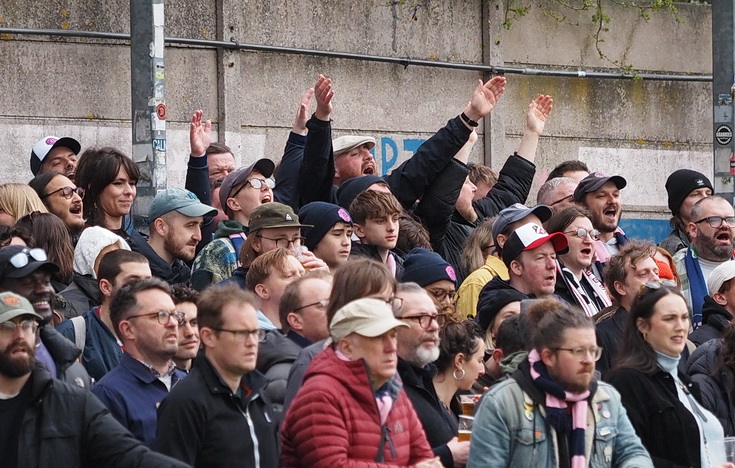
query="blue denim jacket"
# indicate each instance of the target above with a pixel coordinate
(510, 430)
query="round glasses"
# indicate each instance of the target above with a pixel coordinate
(424, 320)
(255, 183)
(284, 242)
(28, 327)
(594, 234)
(441, 294)
(67, 192)
(163, 317)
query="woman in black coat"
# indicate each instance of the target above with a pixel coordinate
(675, 429)
(712, 368)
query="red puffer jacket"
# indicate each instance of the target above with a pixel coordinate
(334, 421)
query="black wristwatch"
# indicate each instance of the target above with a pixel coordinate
(468, 120)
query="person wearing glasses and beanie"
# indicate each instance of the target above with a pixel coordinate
(219, 415)
(575, 281)
(660, 400)
(430, 271)
(145, 319)
(684, 187)
(712, 243)
(552, 411)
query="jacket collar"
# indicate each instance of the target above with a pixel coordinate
(251, 383)
(62, 351)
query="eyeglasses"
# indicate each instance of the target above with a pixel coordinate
(28, 326)
(255, 183)
(582, 233)
(424, 320)
(441, 294)
(21, 259)
(286, 243)
(163, 317)
(322, 305)
(67, 192)
(568, 197)
(581, 353)
(394, 302)
(716, 221)
(241, 336)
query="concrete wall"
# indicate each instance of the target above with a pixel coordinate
(642, 130)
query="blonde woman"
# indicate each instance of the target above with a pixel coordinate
(16, 201)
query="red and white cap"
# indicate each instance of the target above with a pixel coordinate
(530, 236)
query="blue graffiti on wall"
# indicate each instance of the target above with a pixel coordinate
(390, 153)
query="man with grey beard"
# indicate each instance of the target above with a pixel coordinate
(418, 348)
(711, 234)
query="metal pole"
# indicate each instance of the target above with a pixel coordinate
(723, 90)
(148, 94)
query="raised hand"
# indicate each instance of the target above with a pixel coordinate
(485, 97)
(323, 94)
(199, 138)
(302, 113)
(538, 111)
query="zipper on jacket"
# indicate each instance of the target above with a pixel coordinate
(251, 427)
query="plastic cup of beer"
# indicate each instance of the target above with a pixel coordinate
(730, 449)
(465, 427)
(468, 404)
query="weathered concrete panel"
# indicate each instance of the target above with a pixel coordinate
(84, 81)
(368, 27)
(660, 44)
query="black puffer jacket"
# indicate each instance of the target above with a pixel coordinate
(716, 383)
(66, 357)
(81, 295)
(66, 425)
(715, 319)
(275, 356)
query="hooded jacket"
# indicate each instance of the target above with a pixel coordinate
(176, 273)
(715, 319)
(67, 426)
(81, 295)
(334, 421)
(716, 383)
(65, 356)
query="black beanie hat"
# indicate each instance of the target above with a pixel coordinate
(424, 267)
(323, 216)
(681, 183)
(492, 301)
(351, 188)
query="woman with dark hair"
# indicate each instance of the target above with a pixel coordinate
(675, 429)
(575, 281)
(109, 178)
(712, 368)
(52, 235)
(461, 362)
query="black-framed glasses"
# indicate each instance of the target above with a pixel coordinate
(581, 353)
(241, 336)
(582, 233)
(163, 317)
(255, 183)
(322, 305)
(716, 221)
(568, 197)
(23, 257)
(284, 242)
(28, 326)
(424, 320)
(441, 294)
(67, 192)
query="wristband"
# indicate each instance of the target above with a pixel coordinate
(468, 120)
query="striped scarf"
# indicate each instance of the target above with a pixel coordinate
(557, 402)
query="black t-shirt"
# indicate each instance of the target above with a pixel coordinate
(11, 419)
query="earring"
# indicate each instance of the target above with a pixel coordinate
(454, 374)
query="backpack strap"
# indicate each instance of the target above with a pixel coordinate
(80, 331)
